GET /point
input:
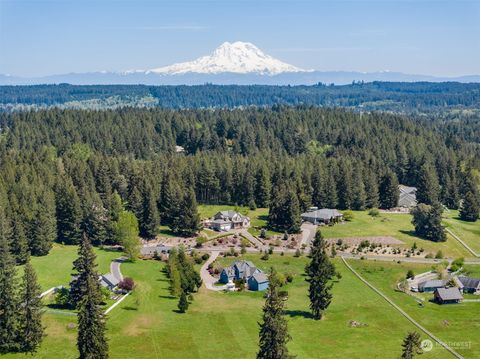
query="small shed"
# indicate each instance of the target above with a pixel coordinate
(258, 282)
(448, 295)
(430, 285)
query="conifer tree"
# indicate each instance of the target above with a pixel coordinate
(187, 222)
(273, 329)
(96, 223)
(263, 187)
(31, 329)
(183, 302)
(8, 295)
(319, 273)
(470, 207)
(19, 244)
(411, 345)
(371, 188)
(292, 213)
(44, 226)
(84, 268)
(68, 212)
(428, 189)
(91, 341)
(389, 191)
(151, 219)
(428, 222)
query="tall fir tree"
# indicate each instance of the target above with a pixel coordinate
(319, 273)
(44, 230)
(263, 187)
(84, 268)
(470, 207)
(428, 188)
(371, 188)
(389, 191)
(68, 212)
(428, 222)
(151, 218)
(31, 328)
(91, 341)
(274, 329)
(187, 222)
(19, 244)
(411, 346)
(8, 295)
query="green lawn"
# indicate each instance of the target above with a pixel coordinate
(469, 232)
(56, 268)
(396, 225)
(224, 325)
(452, 323)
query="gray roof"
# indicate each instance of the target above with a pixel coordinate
(449, 293)
(436, 283)
(229, 215)
(469, 282)
(220, 221)
(260, 277)
(110, 280)
(324, 214)
(407, 189)
(242, 266)
(229, 271)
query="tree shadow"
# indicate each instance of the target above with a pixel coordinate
(178, 311)
(299, 313)
(410, 233)
(167, 297)
(129, 308)
(263, 217)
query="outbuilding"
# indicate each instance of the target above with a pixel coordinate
(430, 285)
(322, 216)
(258, 282)
(447, 295)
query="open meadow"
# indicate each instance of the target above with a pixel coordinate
(147, 325)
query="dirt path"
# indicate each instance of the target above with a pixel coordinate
(462, 242)
(413, 321)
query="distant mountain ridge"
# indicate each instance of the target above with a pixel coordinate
(240, 63)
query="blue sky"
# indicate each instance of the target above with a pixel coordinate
(41, 37)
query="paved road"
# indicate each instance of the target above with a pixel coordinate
(208, 279)
(115, 268)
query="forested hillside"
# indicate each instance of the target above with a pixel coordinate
(65, 172)
(387, 96)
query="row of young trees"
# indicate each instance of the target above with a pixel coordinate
(184, 279)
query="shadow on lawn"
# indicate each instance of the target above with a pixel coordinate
(299, 313)
(129, 308)
(167, 297)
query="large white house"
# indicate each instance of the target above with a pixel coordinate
(227, 220)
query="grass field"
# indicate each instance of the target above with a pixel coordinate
(224, 325)
(469, 232)
(395, 225)
(56, 268)
(453, 324)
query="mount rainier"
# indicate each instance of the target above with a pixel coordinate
(239, 63)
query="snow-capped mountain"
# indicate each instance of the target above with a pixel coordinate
(237, 57)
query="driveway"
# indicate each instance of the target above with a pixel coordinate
(115, 268)
(308, 233)
(207, 278)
